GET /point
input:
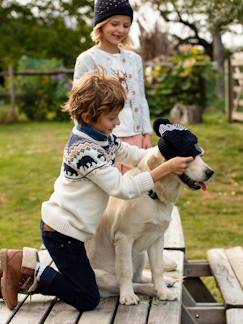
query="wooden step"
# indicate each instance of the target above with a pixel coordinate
(226, 274)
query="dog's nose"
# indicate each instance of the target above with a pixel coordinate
(209, 173)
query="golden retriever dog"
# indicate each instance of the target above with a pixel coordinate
(130, 228)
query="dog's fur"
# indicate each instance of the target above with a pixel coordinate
(129, 228)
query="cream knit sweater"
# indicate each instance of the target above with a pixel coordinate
(88, 177)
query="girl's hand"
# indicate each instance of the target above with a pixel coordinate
(146, 141)
(179, 164)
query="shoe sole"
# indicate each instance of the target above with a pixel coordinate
(4, 265)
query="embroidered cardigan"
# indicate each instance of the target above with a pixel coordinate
(134, 117)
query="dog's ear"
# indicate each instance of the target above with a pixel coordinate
(157, 123)
(154, 160)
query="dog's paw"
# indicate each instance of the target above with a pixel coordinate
(166, 294)
(129, 299)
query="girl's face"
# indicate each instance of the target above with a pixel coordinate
(116, 30)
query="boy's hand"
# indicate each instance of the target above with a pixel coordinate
(179, 164)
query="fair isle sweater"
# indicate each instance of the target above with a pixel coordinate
(134, 117)
(87, 178)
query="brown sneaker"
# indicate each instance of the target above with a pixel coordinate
(13, 276)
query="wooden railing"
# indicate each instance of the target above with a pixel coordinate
(234, 86)
(11, 74)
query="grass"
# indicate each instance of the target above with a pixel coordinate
(30, 158)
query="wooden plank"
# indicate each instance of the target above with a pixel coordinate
(34, 309)
(237, 115)
(226, 279)
(234, 316)
(238, 102)
(235, 256)
(63, 313)
(238, 75)
(103, 314)
(207, 314)
(174, 236)
(163, 312)
(135, 314)
(237, 62)
(5, 313)
(238, 89)
(237, 55)
(196, 268)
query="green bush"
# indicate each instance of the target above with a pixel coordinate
(41, 97)
(182, 78)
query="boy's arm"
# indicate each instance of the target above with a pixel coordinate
(95, 167)
(129, 154)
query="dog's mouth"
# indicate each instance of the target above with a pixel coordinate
(193, 184)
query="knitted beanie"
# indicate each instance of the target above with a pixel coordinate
(104, 9)
(175, 140)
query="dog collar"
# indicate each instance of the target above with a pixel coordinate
(152, 194)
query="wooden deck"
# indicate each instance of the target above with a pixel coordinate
(194, 305)
(46, 309)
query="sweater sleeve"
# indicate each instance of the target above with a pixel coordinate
(84, 64)
(147, 128)
(94, 166)
(129, 154)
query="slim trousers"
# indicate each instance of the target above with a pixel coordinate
(75, 281)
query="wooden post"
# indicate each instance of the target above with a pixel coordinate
(12, 93)
(229, 89)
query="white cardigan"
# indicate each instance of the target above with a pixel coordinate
(88, 177)
(134, 117)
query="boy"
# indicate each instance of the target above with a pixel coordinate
(87, 178)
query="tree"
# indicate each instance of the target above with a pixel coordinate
(44, 29)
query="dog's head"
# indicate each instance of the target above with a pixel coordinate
(175, 140)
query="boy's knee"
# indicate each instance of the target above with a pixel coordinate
(91, 303)
(94, 302)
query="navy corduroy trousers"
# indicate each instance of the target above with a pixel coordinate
(75, 281)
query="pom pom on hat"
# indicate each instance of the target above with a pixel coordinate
(175, 140)
(104, 9)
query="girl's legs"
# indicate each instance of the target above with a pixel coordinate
(75, 284)
(132, 140)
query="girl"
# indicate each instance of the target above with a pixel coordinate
(112, 23)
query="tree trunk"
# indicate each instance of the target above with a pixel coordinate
(218, 56)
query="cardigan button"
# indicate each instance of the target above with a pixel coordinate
(136, 109)
(123, 60)
(138, 127)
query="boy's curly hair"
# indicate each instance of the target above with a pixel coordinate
(95, 93)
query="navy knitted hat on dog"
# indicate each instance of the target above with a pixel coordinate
(175, 140)
(104, 9)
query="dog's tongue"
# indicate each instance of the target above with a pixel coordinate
(203, 185)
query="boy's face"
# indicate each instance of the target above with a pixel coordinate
(107, 122)
(116, 29)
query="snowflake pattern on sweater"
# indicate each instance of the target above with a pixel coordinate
(82, 156)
